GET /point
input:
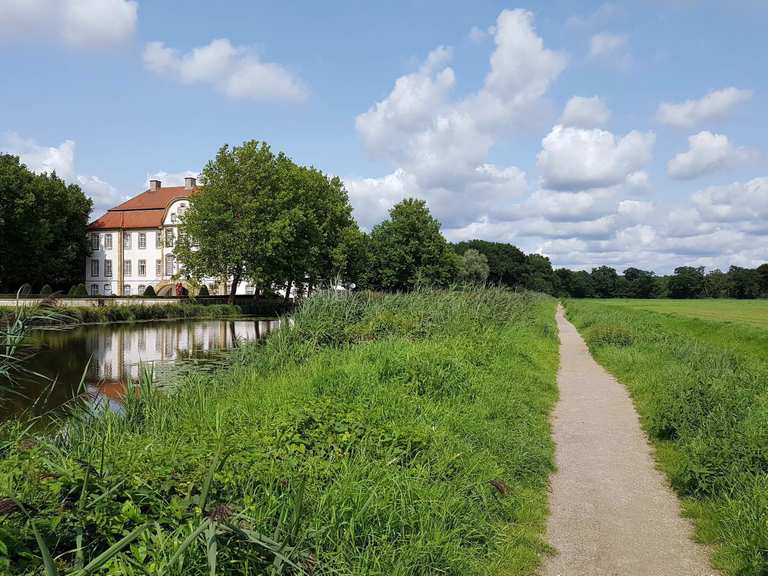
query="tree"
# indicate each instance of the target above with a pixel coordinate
(640, 283)
(717, 284)
(43, 225)
(259, 216)
(605, 281)
(539, 275)
(506, 263)
(575, 284)
(762, 272)
(687, 282)
(745, 283)
(408, 249)
(473, 267)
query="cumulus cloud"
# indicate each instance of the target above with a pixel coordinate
(578, 159)
(61, 160)
(439, 145)
(585, 112)
(715, 104)
(79, 23)
(236, 71)
(707, 153)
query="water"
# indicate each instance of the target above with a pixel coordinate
(115, 354)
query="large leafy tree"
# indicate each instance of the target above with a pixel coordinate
(260, 217)
(605, 281)
(640, 283)
(408, 249)
(686, 282)
(506, 263)
(473, 267)
(43, 224)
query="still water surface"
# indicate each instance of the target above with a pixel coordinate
(115, 354)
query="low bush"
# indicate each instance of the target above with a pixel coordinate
(149, 291)
(78, 291)
(46, 290)
(600, 334)
(203, 291)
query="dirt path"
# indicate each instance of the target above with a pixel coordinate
(612, 512)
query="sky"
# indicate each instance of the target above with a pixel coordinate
(620, 133)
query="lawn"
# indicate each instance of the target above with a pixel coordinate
(380, 434)
(701, 388)
(749, 312)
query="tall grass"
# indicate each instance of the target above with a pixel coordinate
(701, 388)
(378, 434)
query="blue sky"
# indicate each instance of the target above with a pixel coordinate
(659, 160)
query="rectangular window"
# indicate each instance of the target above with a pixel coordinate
(94, 267)
(142, 240)
(108, 268)
(169, 237)
(158, 240)
(94, 241)
(169, 262)
(127, 268)
(142, 267)
(107, 241)
(139, 293)
(127, 240)
(173, 217)
(158, 268)
(94, 289)
(107, 289)
(126, 289)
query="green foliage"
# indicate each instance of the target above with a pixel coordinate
(473, 267)
(700, 388)
(78, 291)
(687, 282)
(149, 291)
(259, 216)
(203, 292)
(362, 439)
(46, 290)
(408, 250)
(42, 227)
(506, 263)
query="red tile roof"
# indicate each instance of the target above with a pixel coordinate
(147, 210)
(155, 199)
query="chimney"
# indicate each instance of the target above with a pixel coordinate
(154, 185)
(190, 182)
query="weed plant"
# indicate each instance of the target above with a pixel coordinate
(375, 434)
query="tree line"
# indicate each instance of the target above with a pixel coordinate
(261, 218)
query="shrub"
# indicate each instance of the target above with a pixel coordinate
(78, 291)
(46, 290)
(609, 335)
(149, 291)
(203, 291)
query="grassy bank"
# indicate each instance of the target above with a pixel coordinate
(137, 312)
(381, 434)
(701, 388)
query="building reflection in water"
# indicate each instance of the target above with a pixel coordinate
(116, 354)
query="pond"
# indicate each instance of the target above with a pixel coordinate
(111, 355)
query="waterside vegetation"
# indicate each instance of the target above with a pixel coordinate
(379, 434)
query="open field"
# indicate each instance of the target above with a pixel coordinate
(381, 434)
(749, 312)
(701, 388)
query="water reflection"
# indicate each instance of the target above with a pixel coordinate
(116, 354)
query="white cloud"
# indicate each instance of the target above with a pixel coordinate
(738, 202)
(478, 35)
(707, 153)
(638, 182)
(79, 23)
(572, 206)
(171, 178)
(61, 159)
(603, 13)
(715, 104)
(583, 112)
(578, 159)
(439, 146)
(605, 44)
(236, 71)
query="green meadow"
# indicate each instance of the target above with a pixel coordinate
(379, 434)
(698, 374)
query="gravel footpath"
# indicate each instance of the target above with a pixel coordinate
(611, 511)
